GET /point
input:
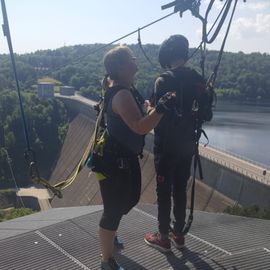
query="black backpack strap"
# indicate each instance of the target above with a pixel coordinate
(196, 164)
(138, 98)
(110, 93)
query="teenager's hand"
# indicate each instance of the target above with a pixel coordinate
(166, 103)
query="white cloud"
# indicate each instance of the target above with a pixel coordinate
(256, 6)
(251, 27)
(250, 30)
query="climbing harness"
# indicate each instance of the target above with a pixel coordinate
(194, 6)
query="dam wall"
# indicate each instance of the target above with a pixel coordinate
(244, 190)
(221, 185)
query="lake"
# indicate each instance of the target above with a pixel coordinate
(241, 130)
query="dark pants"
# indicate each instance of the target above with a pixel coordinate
(120, 193)
(172, 178)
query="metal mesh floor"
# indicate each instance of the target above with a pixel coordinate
(215, 241)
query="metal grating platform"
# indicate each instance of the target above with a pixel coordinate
(216, 241)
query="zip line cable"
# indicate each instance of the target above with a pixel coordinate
(142, 49)
(118, 39)
(134, 32)
(213, 76)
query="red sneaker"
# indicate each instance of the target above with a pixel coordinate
(154, 240)
(177, 240)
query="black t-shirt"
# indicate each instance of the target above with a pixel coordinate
(176, 130)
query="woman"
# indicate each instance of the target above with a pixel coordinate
(126, 126)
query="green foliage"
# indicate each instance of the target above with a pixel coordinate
(244, 77)
(252, 211)
(229, 94)
(90, 92)
(47, 124)
(241, 76)
(7, 214)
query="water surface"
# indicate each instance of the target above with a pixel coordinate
(241, 130)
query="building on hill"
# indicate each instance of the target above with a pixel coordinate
(67, 90)
(45, 90)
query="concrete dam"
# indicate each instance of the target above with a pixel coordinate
(227, 180)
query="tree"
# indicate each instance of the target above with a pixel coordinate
(47, 123)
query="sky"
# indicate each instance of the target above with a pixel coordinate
(50, 24)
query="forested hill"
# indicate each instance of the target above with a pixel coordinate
(240, 77)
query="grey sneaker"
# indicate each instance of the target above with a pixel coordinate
(111, 264)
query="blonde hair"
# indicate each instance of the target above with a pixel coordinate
(113, 60)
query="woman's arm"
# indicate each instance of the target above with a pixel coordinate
(125, 106)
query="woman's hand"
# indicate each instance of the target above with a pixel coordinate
(147, 106)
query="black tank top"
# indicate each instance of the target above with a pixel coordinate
(118, 129)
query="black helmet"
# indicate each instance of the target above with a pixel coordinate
(173, 48)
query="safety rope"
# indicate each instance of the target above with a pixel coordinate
(142, 49)
(29, 154)
(65, 183)
(208, 33)
(213, 76)
(61, 185)
(7, 35)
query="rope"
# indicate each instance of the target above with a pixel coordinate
(7, 35)
(9, 162)
(116, 40)
(89, 149)
(143, 51)
(213, 76)
(225, 10)
(29, 153)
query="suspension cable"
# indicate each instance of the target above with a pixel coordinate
(118, 39)
(212, 78)
(226, 9)
(208, 33)
(142, 49)
(7, 35)
(9, 162)
(29, 153)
